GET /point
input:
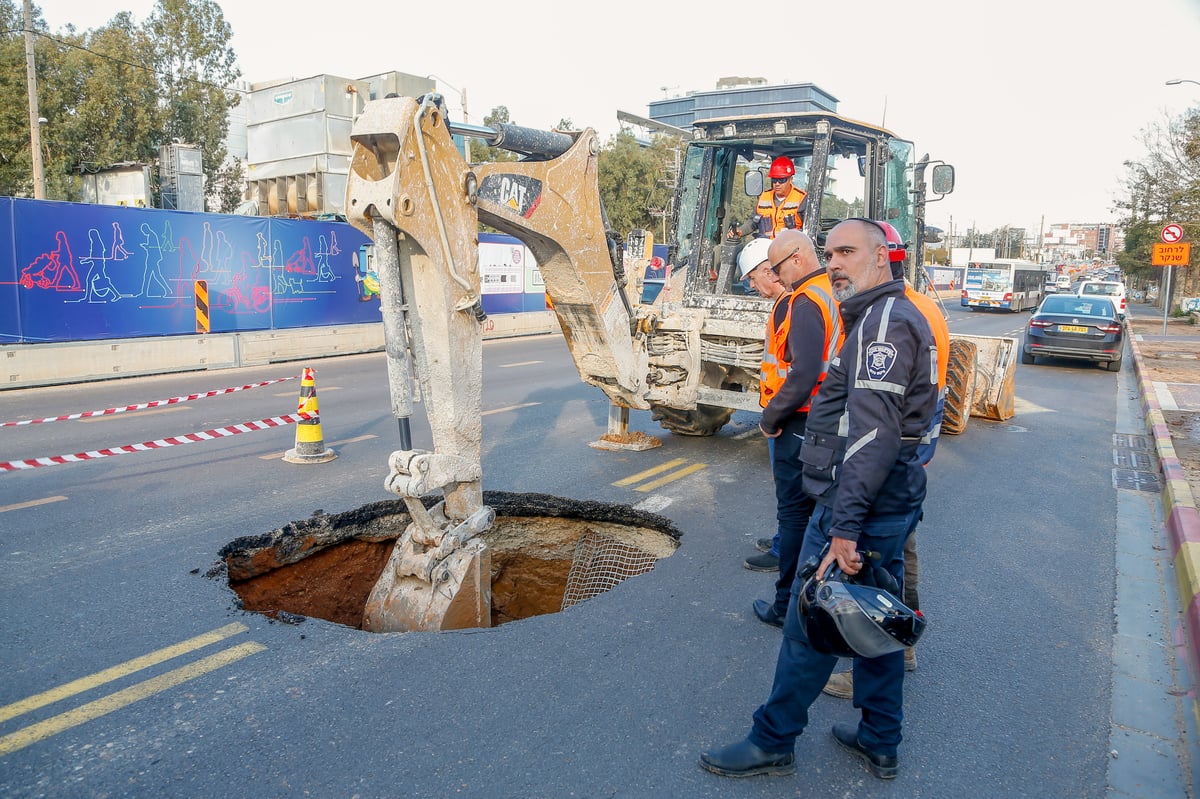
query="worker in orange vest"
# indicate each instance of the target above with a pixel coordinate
(780, 207)
(812, 338)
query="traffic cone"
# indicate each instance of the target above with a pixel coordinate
(310, 443)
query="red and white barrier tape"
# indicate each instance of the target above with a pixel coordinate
(144, 405)
(187, 438)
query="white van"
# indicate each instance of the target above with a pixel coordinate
(1063, 284)
(1112, 289)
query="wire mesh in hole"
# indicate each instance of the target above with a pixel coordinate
(601, 563)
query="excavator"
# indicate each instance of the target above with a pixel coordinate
(691, 358)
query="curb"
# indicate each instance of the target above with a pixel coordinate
(1179, 510)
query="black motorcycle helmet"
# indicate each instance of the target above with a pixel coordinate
(853, 619)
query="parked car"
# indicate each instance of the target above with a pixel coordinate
(1066, 326)
(1105, 288)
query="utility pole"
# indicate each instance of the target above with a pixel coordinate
(35, 132)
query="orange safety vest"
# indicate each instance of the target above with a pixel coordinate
(774, 365)
(819, 290)
(779, 214)
(941, 332)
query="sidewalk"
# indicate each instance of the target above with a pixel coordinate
(1182, 522)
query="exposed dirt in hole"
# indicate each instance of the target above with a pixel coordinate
(325, 566)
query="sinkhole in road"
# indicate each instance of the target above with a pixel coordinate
(547, 553)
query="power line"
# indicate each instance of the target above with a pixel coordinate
(122, 61)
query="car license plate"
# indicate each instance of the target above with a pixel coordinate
(1072, 329)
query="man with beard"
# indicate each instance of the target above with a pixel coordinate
(862, 469)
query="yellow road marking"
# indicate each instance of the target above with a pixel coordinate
(140, 414)
(510, 408)
(637, 478)
(274, 456)
(33, 503)
(522, 363)
(127, 696)
(673, 476)
(116, 672)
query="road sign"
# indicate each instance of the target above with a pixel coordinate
(1171, 254)
(1171, 233)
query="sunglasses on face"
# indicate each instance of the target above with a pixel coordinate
(782, 261)
(780, 180)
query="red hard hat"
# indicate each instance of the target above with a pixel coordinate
(782, 167)
(896, 250)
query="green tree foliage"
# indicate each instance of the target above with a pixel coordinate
(16, 176)
(637, 183)
(194, 64)
(1163, 186)
(117, 93)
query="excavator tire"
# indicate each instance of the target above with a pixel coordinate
(960, 386)
(703, 420)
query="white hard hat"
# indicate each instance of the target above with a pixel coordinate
(752, 255)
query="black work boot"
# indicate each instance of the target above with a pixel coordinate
(744, 759)
(766, 562)
(885, 767)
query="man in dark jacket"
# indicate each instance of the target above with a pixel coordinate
(861, 467)
(812, 335)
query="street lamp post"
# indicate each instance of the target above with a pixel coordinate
(462, 97)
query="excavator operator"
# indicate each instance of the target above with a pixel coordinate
(780, 207)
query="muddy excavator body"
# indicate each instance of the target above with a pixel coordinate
(692, 357)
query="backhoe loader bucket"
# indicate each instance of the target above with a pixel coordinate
(995, 377)
(459, 596)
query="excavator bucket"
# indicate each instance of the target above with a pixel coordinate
(458, 597)
(995, 377)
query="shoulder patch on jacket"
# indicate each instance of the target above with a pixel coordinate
(880, 357)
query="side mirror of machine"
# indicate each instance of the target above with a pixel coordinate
(753, 182)
(943, 179)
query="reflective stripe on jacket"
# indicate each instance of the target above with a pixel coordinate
(819, 290)
(775, 363)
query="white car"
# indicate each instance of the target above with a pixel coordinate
(1113, 289)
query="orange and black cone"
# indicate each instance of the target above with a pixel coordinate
(310, 443)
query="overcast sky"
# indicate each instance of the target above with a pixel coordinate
(1037, 103)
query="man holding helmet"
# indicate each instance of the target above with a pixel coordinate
(780, 207)
(861, 466)
(841, 684)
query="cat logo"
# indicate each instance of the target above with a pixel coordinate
(520, 193)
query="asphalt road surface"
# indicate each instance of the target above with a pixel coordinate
(128, 672)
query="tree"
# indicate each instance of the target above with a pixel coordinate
(194, 65)
(636, 182)
(117, 93)
(1163, 186)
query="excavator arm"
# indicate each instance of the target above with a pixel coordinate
(411, 191)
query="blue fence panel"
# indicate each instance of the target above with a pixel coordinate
(314, 275)
(75, 272)
(10, 307)
(508, 275)
(78, 272)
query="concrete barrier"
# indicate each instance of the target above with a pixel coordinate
(29, 365)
